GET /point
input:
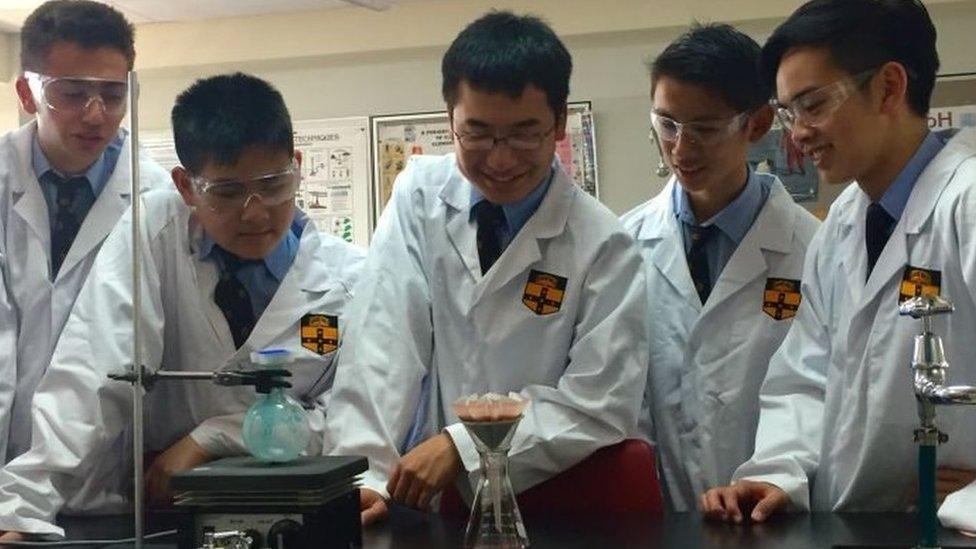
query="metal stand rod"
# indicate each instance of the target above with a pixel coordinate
(138, 435)
(164, 374)
(927, 509)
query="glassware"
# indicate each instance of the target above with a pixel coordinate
(275, 426)
(491, 420)
(495, 520)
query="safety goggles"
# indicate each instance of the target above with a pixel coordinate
(814, 107)
(75, 94)
(699, 133)
(226, 196)
(482, 142)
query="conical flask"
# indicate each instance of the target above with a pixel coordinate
(495, 520)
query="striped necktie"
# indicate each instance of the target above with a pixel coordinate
(234, 300)
(73, 199)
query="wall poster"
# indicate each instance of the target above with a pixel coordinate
(335, 175)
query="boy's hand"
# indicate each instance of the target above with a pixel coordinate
(185, 454)
(11, 536)
(424, 472)
(727, 503)
(372, 507)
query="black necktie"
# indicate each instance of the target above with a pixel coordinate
(234, 301)
(490, 218)
(698, 260)
(73, 199)
(878, 226)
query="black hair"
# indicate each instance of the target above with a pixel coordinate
(719, 58)
(86, 23)
(504, 52)
(216, 118)
(862, 35)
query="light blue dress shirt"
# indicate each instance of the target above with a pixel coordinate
(895, 198)
(516, 214)
(733, 221)
(260, 278)
(97, 174)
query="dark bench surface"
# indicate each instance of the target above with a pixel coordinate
(407, 529)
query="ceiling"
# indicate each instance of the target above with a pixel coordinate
(13, 12)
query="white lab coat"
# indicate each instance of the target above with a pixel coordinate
(707, 363)
(33, 309)
(424, 310)
(838, 407)
(80, 416)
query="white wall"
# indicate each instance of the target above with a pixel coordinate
(347, 62)
(9, 65)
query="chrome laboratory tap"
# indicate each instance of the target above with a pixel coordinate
(929, 363)
(930, 371)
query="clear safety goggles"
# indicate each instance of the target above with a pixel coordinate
(227, 196)
(814, 107)
(74, 94)
(481, 142)
(699, 133)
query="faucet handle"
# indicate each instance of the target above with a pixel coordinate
(925, 306)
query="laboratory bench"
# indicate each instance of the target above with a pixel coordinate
(408, 529)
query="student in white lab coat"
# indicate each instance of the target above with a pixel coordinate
(723, 247)
(230, 267)
(853, 82)
(64, 183)
(491, 271)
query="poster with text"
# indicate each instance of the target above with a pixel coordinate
(335, 175)
(943, 118)
(397, 137)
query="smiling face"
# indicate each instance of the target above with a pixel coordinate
(709, 154)
(73, 141)
(847, 143)
(250, 232)
(502, 174)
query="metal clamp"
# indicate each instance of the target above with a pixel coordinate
(930, 436)
(263, 380)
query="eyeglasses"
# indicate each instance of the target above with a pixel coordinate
(699, 133)
(815, 106)
(517, 141)
(227, 196)
(75, 94)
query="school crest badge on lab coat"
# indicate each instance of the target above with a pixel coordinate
(919, 282)
(544, 292)
(781, 298)
(320, 333)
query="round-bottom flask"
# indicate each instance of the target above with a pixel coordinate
(275, 426)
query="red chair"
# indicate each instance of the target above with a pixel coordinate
(614, 479)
